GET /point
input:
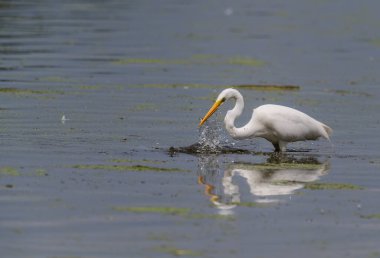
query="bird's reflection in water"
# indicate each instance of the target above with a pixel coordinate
(271, 182)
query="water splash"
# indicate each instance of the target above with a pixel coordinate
(212, 139)
(211, 136)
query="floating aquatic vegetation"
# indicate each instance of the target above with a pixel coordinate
(371, 216)
(182, 212)
(138, 161)
(18, 91)
(138, 168)
(349, 92)
(9, 171)
(89, 87)
(257, 87)
(375, 42)
(196, 37)
(268, 87)
(375, 162)
(55, 79)
(126, 61)
(283, 165)
(246, 61)
(203, 59)
(144, 107)
(249, 204)
(176, 251)
(40, 172)
(209, 216)
(332, 186)
(173, 85)
(161, 210)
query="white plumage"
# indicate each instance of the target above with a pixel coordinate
(277, 124)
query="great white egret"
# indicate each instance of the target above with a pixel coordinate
(277, 124)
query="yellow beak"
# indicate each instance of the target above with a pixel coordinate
(211, 111)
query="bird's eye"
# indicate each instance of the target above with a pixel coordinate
(223, 99)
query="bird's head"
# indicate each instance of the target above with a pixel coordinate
(222, 97)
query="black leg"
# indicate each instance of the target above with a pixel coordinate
(276, 147)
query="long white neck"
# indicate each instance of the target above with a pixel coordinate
(232, 114)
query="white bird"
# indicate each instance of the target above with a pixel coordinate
(277, 124)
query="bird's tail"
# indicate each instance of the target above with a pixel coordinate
(327, 131)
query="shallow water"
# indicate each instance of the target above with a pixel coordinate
(132, 79)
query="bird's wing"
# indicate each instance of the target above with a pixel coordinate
(288, 124)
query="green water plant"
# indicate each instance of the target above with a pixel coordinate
(371, 216)
(176, 251)
(9, 171)
(182, 212)
(152, 209)
(256, 87)
(18, 91)
(331, 186)
(137, 168)
(246, 61)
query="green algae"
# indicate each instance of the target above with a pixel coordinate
(374, 254)
(249, 204)
(332, 186)
(209, 216)
(257, 87)
(246, 61)
(268, 87)
(196, 37)
(9, 171)
(18, 91)
(349, 92)
(160, 210)
(199, 59)
(138, 161)
(145, 107)
(371, 216)
(174, 251)
(375, 161)
(40, 172)
(89, 87)
(138, 168)
(277, 166)
(66, 257)
(126, 61)
(205, 57)
(54, 79)
(175, 85)
(181, 212)
(375, 42)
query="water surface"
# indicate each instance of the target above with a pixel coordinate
(132, 79)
